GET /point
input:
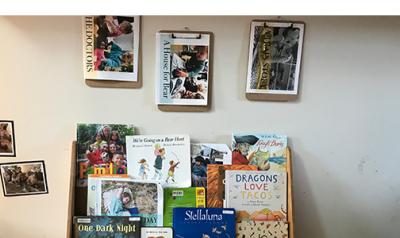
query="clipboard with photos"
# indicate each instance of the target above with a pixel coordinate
(183, 70)
(111, 52)
(274, 60)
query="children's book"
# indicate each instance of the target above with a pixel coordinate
(100, 149)
(157, 232)
(107, 227)
(127, 197)
(205, 154)
(257, 195)
(161, 158)
(204, 222)
(267, 229)
(216, 182)
(111, 47)
(182, 197)
(266, 151)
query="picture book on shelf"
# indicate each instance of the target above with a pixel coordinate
(276, 229)
(157, 232)
(216, 182)
(205, 154)
(182, 197)
(266, 151)
(204, 222)
(127, 197)
(101, 149)
(161, 158)
(107, 227)
(257, 195)
(111, 47)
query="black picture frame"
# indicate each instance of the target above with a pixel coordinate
(14, 153)
(6, 184)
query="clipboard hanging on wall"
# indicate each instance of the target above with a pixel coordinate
(111, 52)
(183, 70)
(274, 60)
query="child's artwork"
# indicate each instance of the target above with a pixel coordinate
(101, 226)
(101, 149)
(276, 229)
(157, 232)
(274, 57)
(182, 63)
(256, 195)
(160, 158)
(111, 47)
(266, 151)
(182, 197)
(204, 223)
(127, 197)
(7, 138)
(216, 182)
(205, 154)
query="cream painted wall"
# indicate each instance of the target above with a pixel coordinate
(343, 130)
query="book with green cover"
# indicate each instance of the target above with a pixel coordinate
(182, 197)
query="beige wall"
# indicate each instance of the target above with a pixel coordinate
(343, 130)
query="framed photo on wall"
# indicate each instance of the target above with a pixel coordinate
(183, 68)
(23, 178)
(7, 139)
(111, 48)
(274, 60)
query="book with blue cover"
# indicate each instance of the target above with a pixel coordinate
(204, 222)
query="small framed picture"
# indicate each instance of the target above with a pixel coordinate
(274, 60)
(23, 178)
(183, 68)
(7, 139)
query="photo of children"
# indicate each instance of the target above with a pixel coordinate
(189, 72)
(125, 198)
(203, 155)
(113, 40)
(23, 178)
(7, 139)
(101, 149)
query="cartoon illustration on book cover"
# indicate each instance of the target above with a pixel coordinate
(266, 151)
(101, 149)
(204, 154)
(257, 195)
(216, 182)
(165, 159)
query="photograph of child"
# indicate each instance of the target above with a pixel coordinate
(101, 146)
(124, 198)
(7, 139)
(113, 40)
(189, 72)
(23, 178)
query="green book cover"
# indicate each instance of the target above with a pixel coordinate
(182, 197)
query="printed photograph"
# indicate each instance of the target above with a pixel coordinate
(189, 72)
(23, 178)
(274, 57)
(204, 154)
(7, 139)
(113, 39)
(101, 150)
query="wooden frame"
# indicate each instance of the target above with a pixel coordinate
(71, 193)
(194, 108)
